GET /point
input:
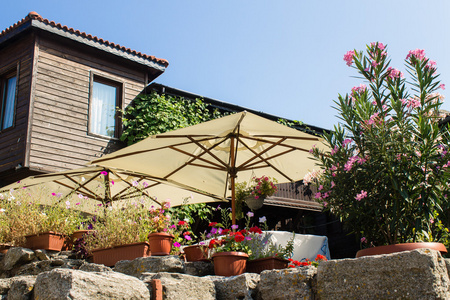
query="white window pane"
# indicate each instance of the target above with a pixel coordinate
(103, 109)
(9, 102)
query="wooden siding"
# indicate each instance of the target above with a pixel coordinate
(59, 137)
(13, 140)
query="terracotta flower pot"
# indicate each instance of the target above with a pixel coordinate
(266, 263)
(110, 256)
(229, 263)
(4, 248)
(79, 234)
(194, 253)
(47, 240)
(399, 248)
(160, 243)
(254, 203)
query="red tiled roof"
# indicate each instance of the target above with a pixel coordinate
(35, 16)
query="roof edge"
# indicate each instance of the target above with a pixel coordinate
(33, 19)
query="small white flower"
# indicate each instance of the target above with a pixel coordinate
(83, 179)
(2, 210)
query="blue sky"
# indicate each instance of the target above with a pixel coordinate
(281, 57)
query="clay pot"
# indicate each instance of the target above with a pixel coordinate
(160, 243)
(399, 248)
(194, 253)
(266, 263)
(229, 263)
(110, 256)
(46, 240)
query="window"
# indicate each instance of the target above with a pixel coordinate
(8, 103)
(105, 97)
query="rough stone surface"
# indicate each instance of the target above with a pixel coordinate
(295, 283)
(198, 268)
(418, 274)
(21, 288)
(62, 284)
(17, 255)
(181, 286)
(151, 264)
(41, 255)
(237, 287)
(5, 285)
(89, 267)
(38, 267)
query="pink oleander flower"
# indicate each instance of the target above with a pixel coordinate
(359, 89)
(346, 142)
(394, 73)
(418, 54)
(318, 195)
(442, 86)
(348, 57)
(363, 240)
(334, 150)
(361, 195)
(333, 184)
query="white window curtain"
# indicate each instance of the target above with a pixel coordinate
(102, 119)
(9, 102)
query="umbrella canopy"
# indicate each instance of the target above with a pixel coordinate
(102, 185)
(209, 156)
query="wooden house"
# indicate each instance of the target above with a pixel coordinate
(59, 90)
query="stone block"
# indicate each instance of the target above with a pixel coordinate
(294, 283)
(151, 264)
(21, 288)
(236, 287)
(60, 284)
(418, 274)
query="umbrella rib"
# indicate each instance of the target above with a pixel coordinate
(258, 155)
(144, 151)
(81, 187)
(289, 137)
(195, 157)
(88, 193)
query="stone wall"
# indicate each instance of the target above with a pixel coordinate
(27, 274)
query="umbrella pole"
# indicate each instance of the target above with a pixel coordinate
(233, 202)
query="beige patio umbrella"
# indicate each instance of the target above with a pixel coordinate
(211, 155)
(99, 185)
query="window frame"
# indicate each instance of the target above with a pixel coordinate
(104, 79)
(4, 77)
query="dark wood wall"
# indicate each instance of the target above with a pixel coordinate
(13, 140)
(59, 137)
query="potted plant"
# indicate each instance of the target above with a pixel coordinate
(254, 193)
(44, 227)
(230, 254)
(265, 254)
(386, 174)
(162, 231)
(120, 234)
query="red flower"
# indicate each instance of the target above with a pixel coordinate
(182, 223)
(255, 229)
(243, 232)
(320, 257)
(225, 231)
(186, 233)
(212, 224)
(239, 238)
(213, 243)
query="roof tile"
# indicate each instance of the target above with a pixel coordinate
(35, 16)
